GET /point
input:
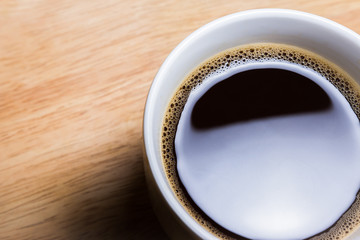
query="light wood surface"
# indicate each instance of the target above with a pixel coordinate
(74, 76)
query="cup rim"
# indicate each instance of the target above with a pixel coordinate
(150, 151)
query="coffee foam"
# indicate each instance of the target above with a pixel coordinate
(231, 59)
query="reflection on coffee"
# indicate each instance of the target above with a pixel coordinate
(261, 141)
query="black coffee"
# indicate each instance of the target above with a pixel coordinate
(274, 95)
(279, 112)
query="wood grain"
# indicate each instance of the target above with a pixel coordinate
(74, 76)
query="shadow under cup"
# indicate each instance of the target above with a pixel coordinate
(316, 34)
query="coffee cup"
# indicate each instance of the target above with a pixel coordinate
(322, 37)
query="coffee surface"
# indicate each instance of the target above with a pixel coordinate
(261, 141)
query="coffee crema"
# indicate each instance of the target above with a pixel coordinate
(228, 61)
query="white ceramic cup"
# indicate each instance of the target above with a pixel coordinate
(319, 35)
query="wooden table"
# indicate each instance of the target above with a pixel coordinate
(74, 77)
